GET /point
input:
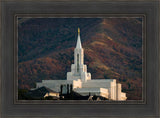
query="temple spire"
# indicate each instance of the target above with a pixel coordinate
(79, 40)
(78, 31)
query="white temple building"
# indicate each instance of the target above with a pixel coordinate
(81, 81)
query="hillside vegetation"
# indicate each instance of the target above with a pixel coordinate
(112, 48)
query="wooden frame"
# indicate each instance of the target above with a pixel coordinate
(150, 108)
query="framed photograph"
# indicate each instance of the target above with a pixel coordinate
(80, 59)
(115, 71)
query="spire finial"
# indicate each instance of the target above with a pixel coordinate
(78, 31)
(78, 40)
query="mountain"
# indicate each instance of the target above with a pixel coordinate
(112, 49)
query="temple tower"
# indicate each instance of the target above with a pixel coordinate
(78, 55)
(78, 69)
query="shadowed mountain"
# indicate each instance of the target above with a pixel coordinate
(112, 48)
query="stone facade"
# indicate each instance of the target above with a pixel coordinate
(79, 80)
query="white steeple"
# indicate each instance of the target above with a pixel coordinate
(78, 40)
(78, 69)
(78, 52)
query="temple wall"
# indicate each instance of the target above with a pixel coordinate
(77, 84)
(123, 96)
(54, 84)
(72, 77)
(92, 91)
(119, 89)
(104, 93)
(99, 83)
(113, 90)
(105, 88)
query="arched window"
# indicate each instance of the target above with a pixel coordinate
(78, 63)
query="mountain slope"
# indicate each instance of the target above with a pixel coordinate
(112, 48)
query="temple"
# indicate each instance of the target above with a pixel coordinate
(79, 80)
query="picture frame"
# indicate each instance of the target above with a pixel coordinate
(10, 108)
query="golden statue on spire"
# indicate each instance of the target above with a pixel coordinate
(78, 31)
